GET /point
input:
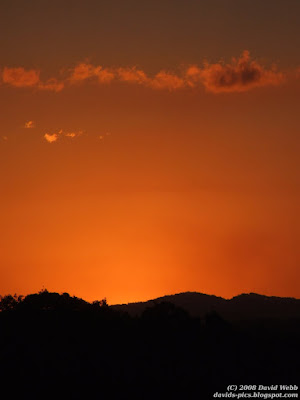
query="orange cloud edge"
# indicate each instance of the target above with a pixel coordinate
(53, 137)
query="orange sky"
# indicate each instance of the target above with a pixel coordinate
(149, 150)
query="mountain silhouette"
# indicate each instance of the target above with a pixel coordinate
(243, 307)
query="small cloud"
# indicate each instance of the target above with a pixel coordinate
(167, 80)
(5, 138)
(29, 124)
(52, 84)
(72, 134)
(84, 71)
(51, 138)
(19, 77)
(101, 137)
(132, 75)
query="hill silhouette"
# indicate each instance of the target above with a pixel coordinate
(55, 346)
(242, 307)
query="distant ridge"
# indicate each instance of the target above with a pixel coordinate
(246, 306)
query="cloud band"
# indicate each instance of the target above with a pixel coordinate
(241, 75)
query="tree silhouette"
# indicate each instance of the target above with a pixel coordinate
(10, 302)
(62, 342)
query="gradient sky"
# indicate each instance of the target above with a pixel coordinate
(149, 147)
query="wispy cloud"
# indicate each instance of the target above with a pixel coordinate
(22, 78)
(19, 77)
(53, 137)
(132, 75)
(193, 76)
(51, 84)
(240, 75)
(105, 75)
(167, 80)
(85, 71)
(73, 134)
(29, 124)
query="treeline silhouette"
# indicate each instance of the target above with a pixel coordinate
(61, 347)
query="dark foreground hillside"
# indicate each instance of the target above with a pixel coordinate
(240, 308)
(60, 347)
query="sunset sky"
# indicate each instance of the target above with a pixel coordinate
(150, 147)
